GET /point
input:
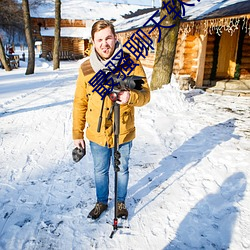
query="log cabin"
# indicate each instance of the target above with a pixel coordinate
(77, 17)
(74, 37)
(213, 45)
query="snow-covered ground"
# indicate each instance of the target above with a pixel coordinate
(189, 170)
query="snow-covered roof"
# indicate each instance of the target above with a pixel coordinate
(156, 3)
(134, 22)
(85, 10)
(79, 32)
(205, 9)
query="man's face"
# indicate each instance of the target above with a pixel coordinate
(104, 42)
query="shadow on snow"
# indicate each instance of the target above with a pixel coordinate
(209, 225)
(215, 221)
(23, 110)
(190, 153)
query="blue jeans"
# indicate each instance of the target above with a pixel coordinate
(102, 158)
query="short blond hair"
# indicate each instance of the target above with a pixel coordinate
(100, 25)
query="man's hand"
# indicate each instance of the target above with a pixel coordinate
(79, 143)
(79, 151)
(123, 97)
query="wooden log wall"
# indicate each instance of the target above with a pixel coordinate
(178, 61)
(50, 22)
(209, 57)
(79, 46)
(149, 60)
(186, 55)
(47, 45)
(66, 44)
(74, 45)
(245, 60)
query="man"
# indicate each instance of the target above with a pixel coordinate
(86, 108)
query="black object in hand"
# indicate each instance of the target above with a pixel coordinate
(78, 153)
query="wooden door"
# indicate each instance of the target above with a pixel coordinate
(227, 55)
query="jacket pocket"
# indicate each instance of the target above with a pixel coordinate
(127, 120)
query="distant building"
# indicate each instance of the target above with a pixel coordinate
(77, 18)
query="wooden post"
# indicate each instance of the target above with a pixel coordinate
(201, 60)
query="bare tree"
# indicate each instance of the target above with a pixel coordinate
(11, 24)
(3, 57)
(56, 59)
(165, 51)
(11, 16)
(28, 33)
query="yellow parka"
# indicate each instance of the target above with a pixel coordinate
(87, 106)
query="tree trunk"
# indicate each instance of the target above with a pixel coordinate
(56, 59)
(29, 38)
(3, 57)
(165, 51)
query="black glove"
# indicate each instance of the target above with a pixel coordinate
(78, 153)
